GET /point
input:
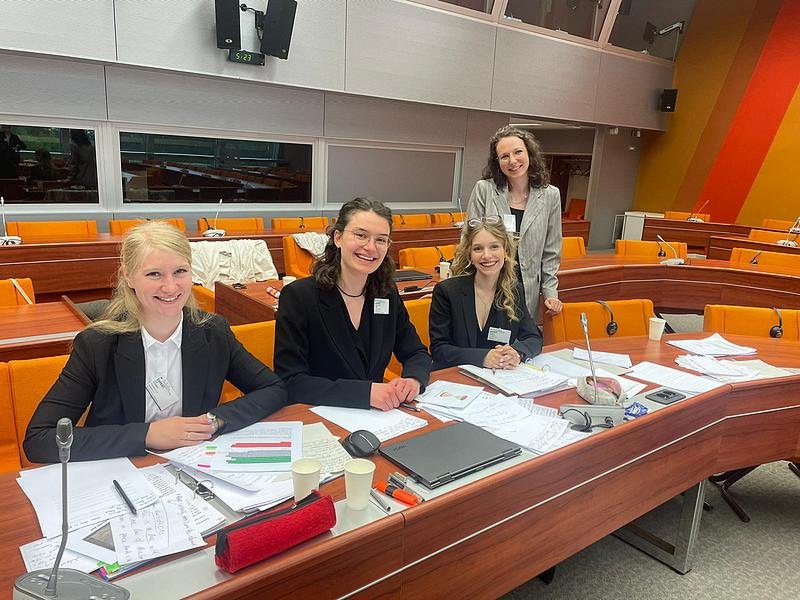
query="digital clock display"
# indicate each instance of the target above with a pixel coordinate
(245, 57)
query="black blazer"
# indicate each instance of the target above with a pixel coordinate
(317, 358)
(454, 325)
(106, 370)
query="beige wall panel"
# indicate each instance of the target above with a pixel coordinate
(480, 127)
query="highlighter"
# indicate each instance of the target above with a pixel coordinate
(396, 493)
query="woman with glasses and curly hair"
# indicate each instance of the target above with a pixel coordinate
(336, 330)
(479, 316)
(515, 187)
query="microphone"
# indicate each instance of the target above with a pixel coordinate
(44, 583)
(214, 232)
(461, 211)
(402, 219)
(694, 219)
(5, 239)
(660, 249)
(795, 229)
(302, 222)
(754, 260)
(585, 327)
(671, 261)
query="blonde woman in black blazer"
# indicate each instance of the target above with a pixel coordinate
(336, 330)
(479, 316)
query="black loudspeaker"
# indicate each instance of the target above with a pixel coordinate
(611, 327)
(228, 34)
(668, 100)
(278, 25)
(776, 331)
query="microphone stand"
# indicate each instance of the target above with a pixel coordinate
(585, 326)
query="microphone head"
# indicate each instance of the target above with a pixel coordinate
(64, 431)
(584, 322)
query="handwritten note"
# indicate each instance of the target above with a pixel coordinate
(41, 554)
(385, 425)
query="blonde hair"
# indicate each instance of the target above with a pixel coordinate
(504, 298)
(124, 312)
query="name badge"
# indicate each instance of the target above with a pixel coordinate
(499, 335)
(381, 306)
(510, 222)
(161, 392)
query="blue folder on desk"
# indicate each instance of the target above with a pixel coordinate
(443, 455)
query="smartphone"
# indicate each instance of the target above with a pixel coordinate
(665, 396)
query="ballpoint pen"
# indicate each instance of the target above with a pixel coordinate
(381, 502)
(122, 493)
(410, 406)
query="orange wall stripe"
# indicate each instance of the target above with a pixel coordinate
(760, 113)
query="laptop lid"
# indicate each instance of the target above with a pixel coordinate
(410, 275)
(443, 455)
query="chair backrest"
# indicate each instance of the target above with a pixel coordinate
(259, 339)
(644, 248)
(677, 215)
(417, 220)
(9, 445)
(30, 381)
(233, 224)
(771, 237)
(448, 218)
(296, 261)
(776, 224)
(121, 226)
(205, 298)
(631, 316)
(426, 257)
(572, 247)
(750, 320)
(295, 222)
(51, 228)
(9, 294)
(418, 311)
(743, 256)
(576, 208)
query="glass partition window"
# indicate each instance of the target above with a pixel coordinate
(47, 165)
(652, 27)
(484, 6)
(176, 168)
(582, 18)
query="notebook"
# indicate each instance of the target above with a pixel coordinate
(443, 455)
(410, 275)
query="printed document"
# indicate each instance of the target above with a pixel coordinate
(384, 424)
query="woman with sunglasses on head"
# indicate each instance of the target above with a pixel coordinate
(478, 316)
(336, 330)
(151, 371)
(515, 187)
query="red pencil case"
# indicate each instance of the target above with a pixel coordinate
(255, 538)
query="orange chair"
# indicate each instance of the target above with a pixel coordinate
(418, 311)
(576, 208)
(572, 247)
(311, 223)
(11, 296)
(121, 226)
(448, 218)
(51, 229)
(642, 248)
(234, 225)
(411, 220)
(9, 445)
(426, 257)
(30, 381)
(296, 261)
(771, 237)
(783, 260)
(259, 339)
(750, 320)
(205, 298)
(631, 316)
(777, 224)
(677, 215)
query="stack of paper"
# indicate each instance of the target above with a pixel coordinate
(714, 345)
(449, 395)
(673, 378)
(525, 380)
(558, 365)
(608, 358)
(385, 425)
(724, 370)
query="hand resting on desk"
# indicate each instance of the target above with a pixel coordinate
(174, 432)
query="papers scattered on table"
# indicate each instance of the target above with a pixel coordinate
(275, 488)
(320, 443)
(673, 378)
(714, 345)
(525, 380)
(569, 369)
(266, 446)
(724, 370)
(41, 554)
(449, 394)
(384, 424)
(609, 358)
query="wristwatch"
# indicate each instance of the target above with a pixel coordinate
(215, 421)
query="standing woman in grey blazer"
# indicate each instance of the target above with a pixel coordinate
(516, 187)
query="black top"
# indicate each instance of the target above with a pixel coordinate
(518, 214)
(454, 330)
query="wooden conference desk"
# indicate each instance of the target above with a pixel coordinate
(720, 247)
(494, 534)
(36, 330)
(696, 235)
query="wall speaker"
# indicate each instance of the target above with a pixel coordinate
(228, 34)
(668, 100)
(278, 25)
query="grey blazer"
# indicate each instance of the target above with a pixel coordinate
(539, 243)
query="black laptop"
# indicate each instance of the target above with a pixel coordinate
(443, 455)
(410, 275)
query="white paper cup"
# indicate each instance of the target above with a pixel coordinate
(444, 270)
(358, 482)
(305, 477)
(656, 328)
(287, 279)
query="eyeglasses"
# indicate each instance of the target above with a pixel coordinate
(363, 238)
(489, 220)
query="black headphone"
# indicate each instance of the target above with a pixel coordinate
(776, 331)
(612, 326)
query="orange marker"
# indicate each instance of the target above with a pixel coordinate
(396, 493)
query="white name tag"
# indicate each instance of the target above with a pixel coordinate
(381, 306)
(499, 335)
(162, 393)
(510, 222)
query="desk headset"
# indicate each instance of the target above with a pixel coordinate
(776, 331)
(612, 327)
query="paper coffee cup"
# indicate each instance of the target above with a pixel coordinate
(656, 328)
(444, 270)
(305, 477)
(358, 482)
(287, 279)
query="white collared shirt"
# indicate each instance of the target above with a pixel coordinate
(163, 359)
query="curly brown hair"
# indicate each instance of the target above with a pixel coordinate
(537, 168)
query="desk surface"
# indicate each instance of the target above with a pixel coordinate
(32, 330)
(494, 534)
(696, 235)
(721, 246)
